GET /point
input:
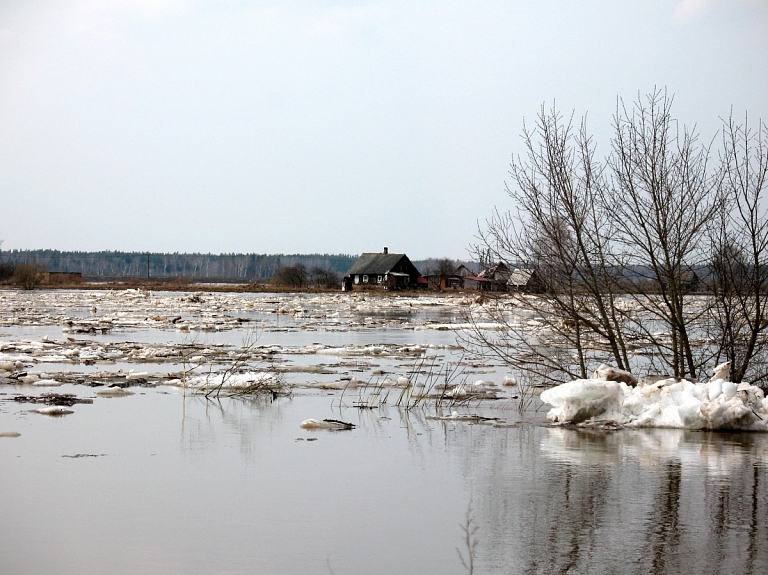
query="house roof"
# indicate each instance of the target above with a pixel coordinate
(496, 269)
(375, 263)
(520, 277)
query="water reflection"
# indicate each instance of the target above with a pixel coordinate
(386, 497)
(657, 501)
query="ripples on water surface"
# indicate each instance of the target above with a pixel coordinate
(180, 485)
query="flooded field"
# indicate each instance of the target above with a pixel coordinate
(162, 480)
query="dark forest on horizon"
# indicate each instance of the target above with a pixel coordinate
(235, 266)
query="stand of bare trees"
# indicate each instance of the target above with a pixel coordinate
(653, 258)
(297, 276)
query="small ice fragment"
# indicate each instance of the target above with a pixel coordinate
(325, 424)
(609, 373)
(113, 391)
(47, 383)
(509, 381)
(721, 371)
(53, 410)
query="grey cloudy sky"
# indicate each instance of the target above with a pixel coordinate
(237, 126)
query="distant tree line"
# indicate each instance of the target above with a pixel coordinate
(244, 267)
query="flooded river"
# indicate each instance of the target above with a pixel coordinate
(167, 482)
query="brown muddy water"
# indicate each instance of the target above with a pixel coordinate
(161, 482)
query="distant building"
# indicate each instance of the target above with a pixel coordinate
(476, 283)
(497, 277)
(62, 278)
(454, 280)
(463, 271)
(383, 270)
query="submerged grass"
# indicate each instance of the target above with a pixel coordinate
(270, 383)
(469, 528)
(428, 384)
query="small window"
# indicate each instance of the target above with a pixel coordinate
(357, 279)
(365, 279)
(379, 279)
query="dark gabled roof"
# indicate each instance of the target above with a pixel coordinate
(375, 264)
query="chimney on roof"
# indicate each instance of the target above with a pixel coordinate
(386, 250)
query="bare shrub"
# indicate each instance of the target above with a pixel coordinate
(28, 276)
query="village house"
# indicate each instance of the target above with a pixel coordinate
(382, 270)
(493, 278)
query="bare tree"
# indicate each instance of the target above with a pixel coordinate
(324, 277)
(28, 276)
(739, 280)
(663, 201)
(291, 276)
(562, 231)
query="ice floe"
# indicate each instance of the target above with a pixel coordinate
(53, 410)
(113, 391)
(232, 381)
(333, 424)
(715, 405)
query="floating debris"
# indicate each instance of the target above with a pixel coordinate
(79, 455)
(326, 424)
(60, 399)
(455, 416)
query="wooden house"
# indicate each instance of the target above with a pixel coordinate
(497, 276)
(476, 283)
(382, 270)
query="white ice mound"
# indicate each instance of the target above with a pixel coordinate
(583, 399)
(681, 404)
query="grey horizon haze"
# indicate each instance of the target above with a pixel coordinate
(330, 127)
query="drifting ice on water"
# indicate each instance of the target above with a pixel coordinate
(718, 404)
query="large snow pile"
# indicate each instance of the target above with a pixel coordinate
(718, 404)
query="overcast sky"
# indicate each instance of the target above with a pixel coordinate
(341, 127)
